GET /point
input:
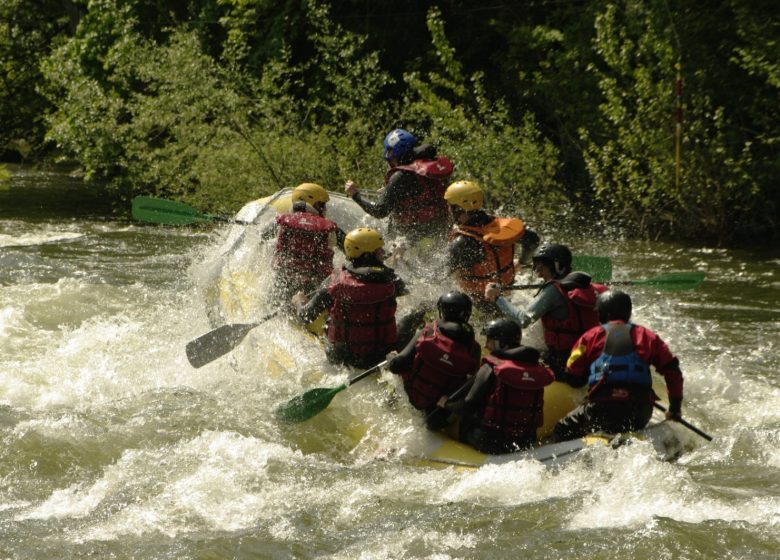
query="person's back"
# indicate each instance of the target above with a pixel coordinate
(361, 322)
(614, 359)
(361, 302)
(505, 405)
(413, 193)
(441, 356)
(303, 255)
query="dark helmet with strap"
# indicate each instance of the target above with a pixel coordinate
(506, 332)
(454, 306)
(613, 305)
(557, 257)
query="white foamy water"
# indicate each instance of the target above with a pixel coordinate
(113, 443)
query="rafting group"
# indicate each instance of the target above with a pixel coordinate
(499, 397)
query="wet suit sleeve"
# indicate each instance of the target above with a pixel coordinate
(668, 365)
(476, 394)
(391, 198)
(463, 253)
(321, 301)
(546, 301)
(403, 361)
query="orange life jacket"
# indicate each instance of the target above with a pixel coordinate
(498, 239)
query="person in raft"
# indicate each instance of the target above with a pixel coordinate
(482, 246)
(614, 359)
(413, 193)
(566, 303)
(361, 302)
(303, 256)
(505, 404)
(439, 358)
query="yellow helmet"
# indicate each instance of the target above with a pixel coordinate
(361, 241)
(311, 193)
(465, 194)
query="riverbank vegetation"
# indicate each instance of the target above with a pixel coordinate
(561, 109)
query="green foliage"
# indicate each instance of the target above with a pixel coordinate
(511, 160)
(26, 28)
(633, 167)
(552, 106)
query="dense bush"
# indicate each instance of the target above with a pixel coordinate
(559, 109)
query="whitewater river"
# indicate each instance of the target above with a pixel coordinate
(113, 446)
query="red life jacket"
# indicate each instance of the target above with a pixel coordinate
(429, 205)
(441, 365)
(302, 245)
(561, 334)
(515, 408)
(362, 314)
(498, 240)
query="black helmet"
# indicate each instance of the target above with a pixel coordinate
(613, 305)
(557, 257)
(508, 333)
(454, 306)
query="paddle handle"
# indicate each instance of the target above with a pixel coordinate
(462, 390)
(366, 373)
(522, 286)
(688, 425)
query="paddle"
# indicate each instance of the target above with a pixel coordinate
(169, 212)
(599, 268)
(688, 425)
(670, 281)
(309, 404)
(218, 342)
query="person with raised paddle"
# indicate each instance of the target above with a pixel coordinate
(361, 302)
(566, 303)
(505, 405)
(482, 246)
(439, 358)
(413, 193)
(303, 256)
(614, 359)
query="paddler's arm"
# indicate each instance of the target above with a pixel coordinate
(340, 236)
(388, 199)
(576, 373)
(544, 302)
(401, 362)
(668, 365)
(480, 384)
(309, 311)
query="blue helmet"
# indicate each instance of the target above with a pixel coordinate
(398, 143)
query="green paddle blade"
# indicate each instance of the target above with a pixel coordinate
(169, 212)
(670, 281)
(599, 268)
(308, 404)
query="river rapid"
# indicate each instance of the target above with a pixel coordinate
(114, 446)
